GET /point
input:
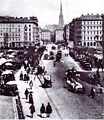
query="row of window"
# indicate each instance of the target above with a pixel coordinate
(9, 25)
(92, 32)
(13, 25)
(91, 44)
(92, 38)
(92, 27)
(2, 34)
(10, 30)
(92, 22)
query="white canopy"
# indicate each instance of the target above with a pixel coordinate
(12, 82)
(2, 61)
(8, 64)
(7, 72)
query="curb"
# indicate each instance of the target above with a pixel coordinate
(15, 108)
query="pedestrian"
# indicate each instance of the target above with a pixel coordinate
(31, 84)
(92, 93)
(54, 63)
(31, 98)
(21, 76)
(32, 109)
(26, 93)
(97, 74)
(42, 111)
(27, 78)
(48, 109)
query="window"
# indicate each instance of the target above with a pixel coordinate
(87, 43)
(84, 38)
(84, 43)
(94, 43)
(29, 34)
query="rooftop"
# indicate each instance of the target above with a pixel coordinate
(9, 19)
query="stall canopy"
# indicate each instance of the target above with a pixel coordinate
(7, 72)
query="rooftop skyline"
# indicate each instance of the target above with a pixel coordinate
(47, 11)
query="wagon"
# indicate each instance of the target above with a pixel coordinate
(47, 81)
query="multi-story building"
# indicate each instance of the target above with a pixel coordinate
(46, 36)
(59, 35)
(103, 37)
(86, 31)
(18, 32)
(66, 33)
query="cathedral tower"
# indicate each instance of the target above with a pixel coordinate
(61, 21)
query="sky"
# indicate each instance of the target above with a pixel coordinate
(47, 11)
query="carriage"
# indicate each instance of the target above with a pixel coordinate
(47, 81)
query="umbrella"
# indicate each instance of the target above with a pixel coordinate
(10, 60)
(2, 61)
(10, 50)
(8, 64)
(7, 72)
(10, 56)
(12, 82)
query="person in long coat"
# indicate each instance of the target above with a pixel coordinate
(31, 98)
(92, 93)
(42, 111)
(32, 109)
(26, 93)
(48, 109)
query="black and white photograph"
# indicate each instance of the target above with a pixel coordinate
(51, 59)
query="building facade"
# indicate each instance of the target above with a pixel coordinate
(18, 32)
(46, 36)
(59, 35)
(103, 37)
(86, 31)
(66, 33)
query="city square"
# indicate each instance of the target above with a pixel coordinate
(55, 72)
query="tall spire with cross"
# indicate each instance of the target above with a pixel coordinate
(61, 21)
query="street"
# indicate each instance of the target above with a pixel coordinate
(70, 105)
(65, 104)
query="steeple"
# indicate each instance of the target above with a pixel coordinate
(61, 21)
(60, 7)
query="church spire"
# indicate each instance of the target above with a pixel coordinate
(61, 21)
(60, 7)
